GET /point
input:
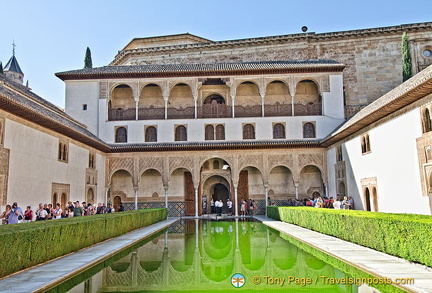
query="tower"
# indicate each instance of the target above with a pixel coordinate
(12, 69)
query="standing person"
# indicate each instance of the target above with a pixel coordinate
(220, 207)
(121, 207)
(351, 202)
(16, 214)
(229, 206)
(337, 203)
(212, 206)
(28, 214)
(99, 209)
(41, 213)
(57, 214)
(78, 210)
(4, 216)
(49, 209)
(345, 203)
(243, 207)
(110, 209)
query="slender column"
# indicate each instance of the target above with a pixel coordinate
(166, 108)
(325, 189)
(196, 202)
(136, 109)
(232, 107)
(236, 200)
(262, 105)
(296, 185)
(166, 196)
(106, 196)
(292, 105)
(136, 197)
(196, 108)
(266, 197)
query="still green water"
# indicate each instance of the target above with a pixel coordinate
(214, 256)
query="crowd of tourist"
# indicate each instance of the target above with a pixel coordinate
(343, 203)
(14, 214)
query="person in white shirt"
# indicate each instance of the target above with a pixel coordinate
(337, 203)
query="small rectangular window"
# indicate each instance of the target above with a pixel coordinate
(84, 107)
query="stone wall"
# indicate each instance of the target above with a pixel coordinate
(372, 56)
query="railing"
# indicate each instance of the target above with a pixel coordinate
(151, 113)
(121, 114)
(278, 109)
(308, 109)
(215, 111)
(248, 111)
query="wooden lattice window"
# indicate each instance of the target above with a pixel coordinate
(209, 132)
(151, 134)
(121, 134)
(278, 131)
(180, 133)
(308, 130)
(248, 131)
(220, 132)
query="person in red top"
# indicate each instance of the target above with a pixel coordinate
(28, 214)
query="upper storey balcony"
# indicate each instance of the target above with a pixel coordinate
(215, 99)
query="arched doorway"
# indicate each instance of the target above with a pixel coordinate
(116, 204)
(54, 198)
(63, 200)
(342, 189)
(218, 188)
(90, 196)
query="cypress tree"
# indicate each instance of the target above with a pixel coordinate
(1, 68)
(88, 60)
(406, 58)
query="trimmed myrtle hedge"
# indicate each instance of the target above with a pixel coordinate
(352, 271)
(404, 235)
(28, 244)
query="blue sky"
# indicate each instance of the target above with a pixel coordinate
(52, 35)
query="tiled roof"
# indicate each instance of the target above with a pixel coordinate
(200, 68)
(408, 92)
(208, 145)
(19, 100)
(13, 66)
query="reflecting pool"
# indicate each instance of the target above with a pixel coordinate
(213, 256)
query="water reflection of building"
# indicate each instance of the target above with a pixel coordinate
(209, 259)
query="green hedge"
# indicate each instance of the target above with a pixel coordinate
(404, 235)
(28, 244)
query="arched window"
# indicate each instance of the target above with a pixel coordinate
(220, 132)
(121, 134)
(209, 132)
(215, 164)
(248, 131)
(151, 134)
(339, 157)
(427, 121)
(365, 144)
(65, 152)
(181, 133)
(60, 152)
(308, 130)
(278, 131)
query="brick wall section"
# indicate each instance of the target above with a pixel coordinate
(372, 57)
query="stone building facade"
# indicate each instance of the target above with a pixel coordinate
(176, 121)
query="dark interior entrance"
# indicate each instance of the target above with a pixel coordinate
(221, 192)
(368, 205)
